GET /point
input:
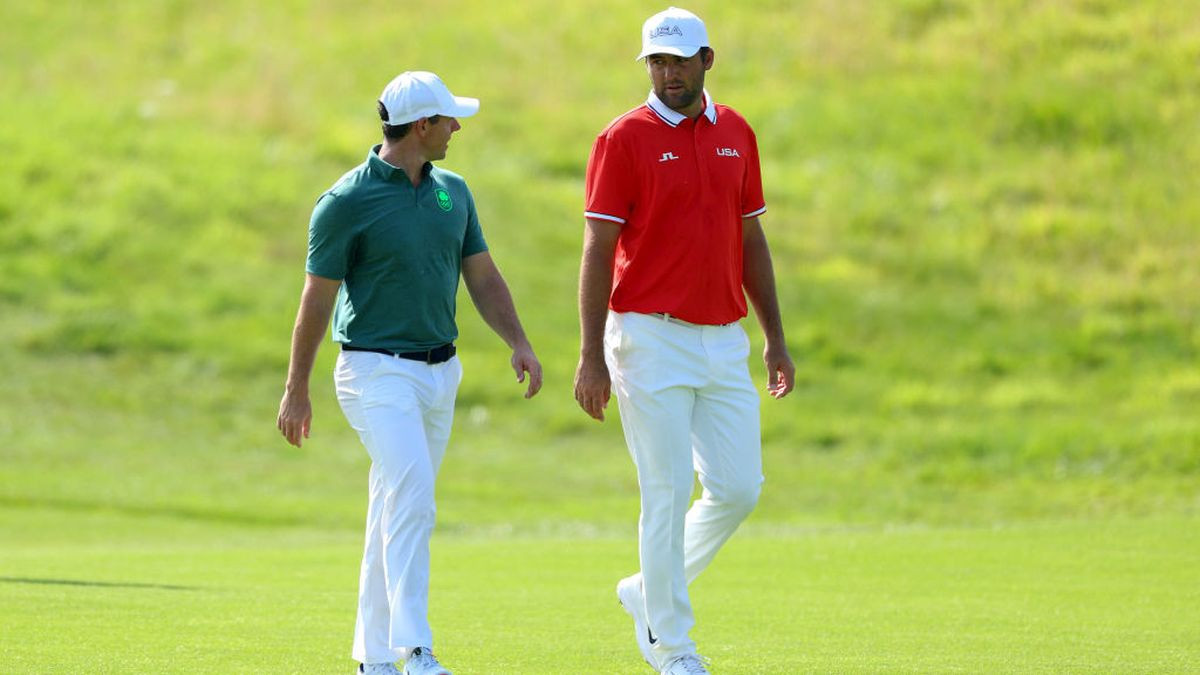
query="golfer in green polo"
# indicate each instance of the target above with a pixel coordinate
(386, 247)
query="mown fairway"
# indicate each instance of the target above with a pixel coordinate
(984, 217)
(163, 595)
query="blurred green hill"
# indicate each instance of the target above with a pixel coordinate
(984, 219)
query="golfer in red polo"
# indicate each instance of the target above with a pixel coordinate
(673, 246)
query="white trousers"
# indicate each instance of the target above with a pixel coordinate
(687, 407)
(402, 411)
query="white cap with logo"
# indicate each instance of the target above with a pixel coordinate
(416, 94)
(673, 31)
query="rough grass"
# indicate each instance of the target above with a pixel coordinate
(981, 214)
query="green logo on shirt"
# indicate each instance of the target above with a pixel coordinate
(443, 198)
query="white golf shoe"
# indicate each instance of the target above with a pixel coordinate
(633, 601)
(378, 669)
(686, 665)
(423, 662)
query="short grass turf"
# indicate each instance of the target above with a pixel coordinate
(109, 593)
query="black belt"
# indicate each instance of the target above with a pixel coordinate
(435, 355)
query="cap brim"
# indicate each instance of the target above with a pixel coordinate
(463, 107)
(684, 51)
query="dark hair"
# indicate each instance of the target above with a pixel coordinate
(394, 132)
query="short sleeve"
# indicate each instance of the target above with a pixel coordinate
(473, 241)
(330, 239)
(610, 181)
(753, 203)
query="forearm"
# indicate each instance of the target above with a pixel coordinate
(595, 287)
(495, 305)
(312, 320)
(592, 381)
(758, 279)
(316, 305)
(492, 299)
(305, 344)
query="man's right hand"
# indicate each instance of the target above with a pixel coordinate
(592, 386)
(316, 306)
(295, 417)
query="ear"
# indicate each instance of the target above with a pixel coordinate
(709, 58)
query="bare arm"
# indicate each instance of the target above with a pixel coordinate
(758, 278)
(592, 380)
(316, 306)
(494, 303)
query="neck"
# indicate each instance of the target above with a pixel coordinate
(404, 156)
(693, 111)
(699, 106)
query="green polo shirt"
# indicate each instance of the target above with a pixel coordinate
(398, 251)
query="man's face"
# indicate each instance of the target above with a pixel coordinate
(679, 82)
(437, 136)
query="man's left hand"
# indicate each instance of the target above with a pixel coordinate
(781, 372)
(524, 361)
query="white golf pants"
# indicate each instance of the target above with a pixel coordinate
(402, 411)
(687, 407)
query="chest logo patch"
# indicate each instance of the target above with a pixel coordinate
(727, 152)
(443, 199)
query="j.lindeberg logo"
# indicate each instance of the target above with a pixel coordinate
(727, 152)
(667, 156)
(664, 30)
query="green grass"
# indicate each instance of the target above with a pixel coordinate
(981, 213)
(104, 592)
(984, 225)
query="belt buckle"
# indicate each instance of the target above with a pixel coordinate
(675, 320)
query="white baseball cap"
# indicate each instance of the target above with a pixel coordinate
(673, 31)
(416, 94)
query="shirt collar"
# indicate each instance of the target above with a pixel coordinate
(674, 118)
(386, 171)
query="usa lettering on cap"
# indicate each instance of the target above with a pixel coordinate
(673, 31)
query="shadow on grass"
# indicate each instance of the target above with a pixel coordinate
(95, 584)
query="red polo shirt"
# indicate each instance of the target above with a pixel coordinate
(679, 188)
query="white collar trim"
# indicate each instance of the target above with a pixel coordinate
(674, 118)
